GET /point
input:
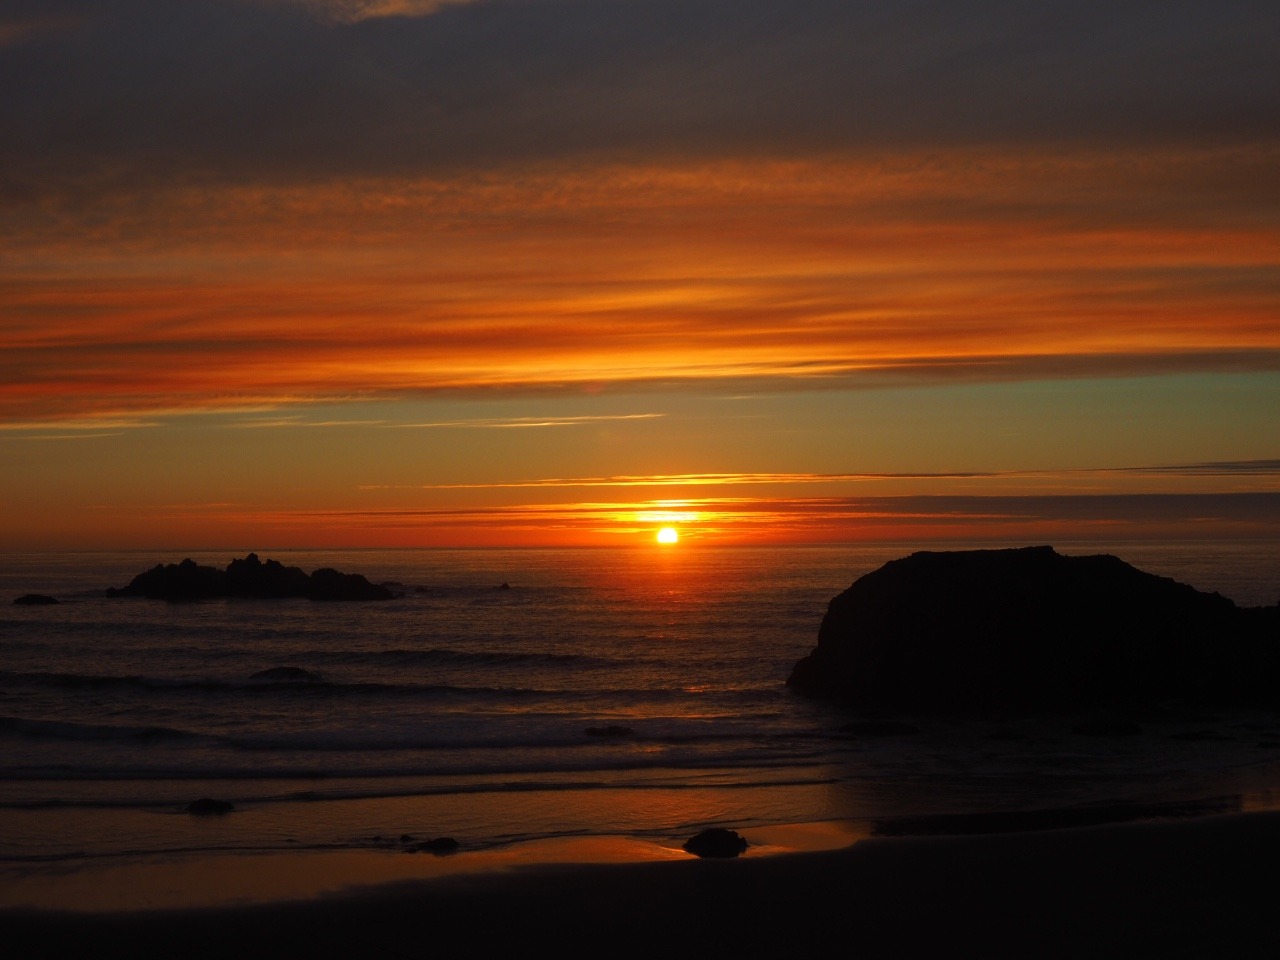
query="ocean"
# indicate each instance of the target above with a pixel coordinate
(516, 695)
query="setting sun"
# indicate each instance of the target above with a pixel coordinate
(668, 535)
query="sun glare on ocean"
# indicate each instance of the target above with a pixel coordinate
(668, 535)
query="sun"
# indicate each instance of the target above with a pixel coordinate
(668, 535)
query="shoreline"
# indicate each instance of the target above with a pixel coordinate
(1168, 888)
(222, 879)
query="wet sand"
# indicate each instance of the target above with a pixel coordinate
(1199, 887)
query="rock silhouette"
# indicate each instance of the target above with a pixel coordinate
(440, 846)
(1029, 629)
(715, 842)
(208, 807)
(248, 578)
(34, 600)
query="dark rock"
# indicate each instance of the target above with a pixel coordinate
(440, 846)
(249, 578)
(1027, 630)
(34, 600)
(329, 584)
(285, 675)
(612, 730)
(715, 842)
(181, 581)
(504, 586)
(205, 807)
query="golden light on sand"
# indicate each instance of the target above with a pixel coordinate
(668, 535)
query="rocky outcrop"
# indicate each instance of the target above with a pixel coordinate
(208, 807)
(248, 578)
(252, 577)
(1028, 629)
(440, 846)
(34, 600)
(329, 584)
(715, 842)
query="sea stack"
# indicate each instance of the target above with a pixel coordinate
(1030, 629)
(248, 578)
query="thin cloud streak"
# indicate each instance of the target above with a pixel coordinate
(519, 423)
(1263, 468)
(728, 520)
(678, 480)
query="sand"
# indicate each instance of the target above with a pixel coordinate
(1202, 887)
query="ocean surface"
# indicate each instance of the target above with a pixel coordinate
(468, 710)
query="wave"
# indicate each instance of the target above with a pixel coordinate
(443, 655)
(129, 786)
(19, 727)
(302, 684)
(526, 744)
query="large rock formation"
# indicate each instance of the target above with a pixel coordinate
(248, 578)
(1026, 629)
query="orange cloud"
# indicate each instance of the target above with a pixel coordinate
(942, 265)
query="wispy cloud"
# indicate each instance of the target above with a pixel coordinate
(764, 519)
(683, 480)
(298, 420)
(1252, 468)
(353, 11)
(70, 429)
(517, 423)
(1220, 468)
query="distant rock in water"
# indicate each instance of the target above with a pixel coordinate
(34, 600)
(328, 584)
(208, 807)
(249, 578)
(440, 846)
(1028, 629)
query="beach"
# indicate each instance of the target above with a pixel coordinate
(1195, 887)
(569, 732)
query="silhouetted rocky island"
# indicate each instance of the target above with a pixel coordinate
(35, 600)
(1030, 629)
(248, 578)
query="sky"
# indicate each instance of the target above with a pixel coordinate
(342, 273)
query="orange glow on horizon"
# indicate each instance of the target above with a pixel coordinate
(891, 345)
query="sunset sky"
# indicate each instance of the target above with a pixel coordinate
(327, 273)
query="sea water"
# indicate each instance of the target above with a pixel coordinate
(515, 695)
